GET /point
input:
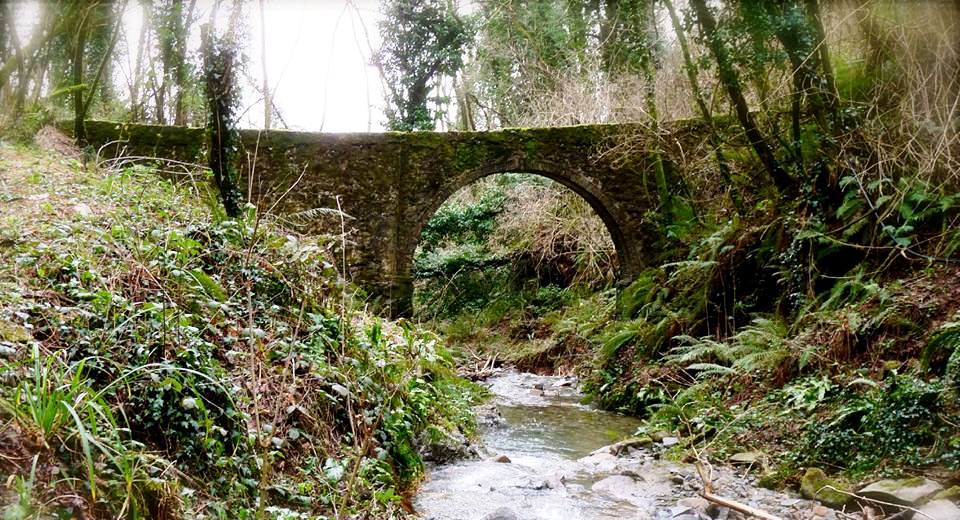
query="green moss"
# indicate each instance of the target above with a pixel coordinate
(14, 333)
(816, 486)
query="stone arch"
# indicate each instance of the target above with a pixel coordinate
(626, 248)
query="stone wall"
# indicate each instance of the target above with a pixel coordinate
(391, 183)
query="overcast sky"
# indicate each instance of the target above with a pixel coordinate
(318, 63)
(318, 59)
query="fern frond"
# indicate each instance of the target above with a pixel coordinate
(711, 369)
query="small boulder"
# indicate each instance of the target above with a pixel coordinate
(670, 441)
(700, 505)
(602, 462)
(907, 491)
(816, 486)
(14, 333)
(939, 510)
(747, 457)
(502, 459)
(442, 447)
(618, 486)
(951, 493)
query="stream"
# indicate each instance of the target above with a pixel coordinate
(546, 456)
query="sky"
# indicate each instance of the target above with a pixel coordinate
(318, 64)
(318, 60)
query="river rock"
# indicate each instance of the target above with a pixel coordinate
(951, 493)
(625, 446)
(700, 505)
(488, 415)
(7, 349)
(504, 513)
(658, 435)
(907, 491)
(82, 210)
(618, 486)
(670, 441)
(747, 457)
(442, 447)
(600, 462)
(14, 333)
(816, 486)
(502, 459)
(939, 510)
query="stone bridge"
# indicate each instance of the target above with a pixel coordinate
(391, 183)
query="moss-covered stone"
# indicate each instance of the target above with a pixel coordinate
(14, 333)
(816, 486)
(911, 491)
(951, 493)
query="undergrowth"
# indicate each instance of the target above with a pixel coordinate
(161, 361)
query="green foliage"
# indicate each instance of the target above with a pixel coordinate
(423, 43)
(463, 223)
(944, 343)
(891, 425)
(220, 348)
(696, 410)
(903, 210)
(759, 347)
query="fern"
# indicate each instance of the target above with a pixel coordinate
(712, 369)
(760, 346)
(946, 338)
(691, 350)
(614, 343)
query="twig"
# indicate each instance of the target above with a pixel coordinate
(737, 506)
(708, 494)
(881, 502)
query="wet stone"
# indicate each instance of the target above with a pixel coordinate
(504, 513)
(910, 491)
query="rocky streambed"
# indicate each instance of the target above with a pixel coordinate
(545, 456)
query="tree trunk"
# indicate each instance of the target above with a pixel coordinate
(7, 35)
(705, 113)
(14, 41)
(180, 69)
(40, 37)
(80, 41)
(219, 87)
(104, 61)
(803, 62)
(43, 62)
(142, 43)
(823, 59)
(267, 105)
(731, 81)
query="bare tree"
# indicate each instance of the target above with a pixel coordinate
(267, 112)
(731, 81)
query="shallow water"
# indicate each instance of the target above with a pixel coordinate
(544, 432)
(560, 467)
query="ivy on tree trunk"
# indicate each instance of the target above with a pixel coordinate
(220, 87)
